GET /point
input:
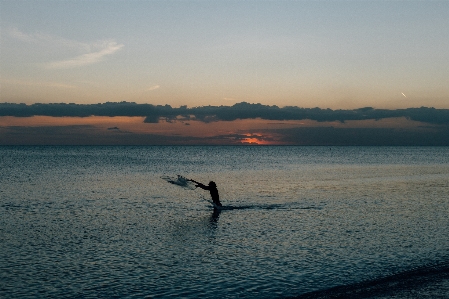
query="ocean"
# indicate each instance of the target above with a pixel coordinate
(100, 222)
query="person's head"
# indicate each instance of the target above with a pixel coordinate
(212, 184)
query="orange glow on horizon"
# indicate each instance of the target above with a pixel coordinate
(256, 141)
(180, 131)
(259, 139)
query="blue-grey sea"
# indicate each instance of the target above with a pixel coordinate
(99, 222)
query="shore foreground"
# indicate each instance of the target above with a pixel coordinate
(427, 282)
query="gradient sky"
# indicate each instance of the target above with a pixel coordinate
(328, 54)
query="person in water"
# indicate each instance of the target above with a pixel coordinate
(212, 187)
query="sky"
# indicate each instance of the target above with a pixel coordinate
(327, 54)
(227, 67)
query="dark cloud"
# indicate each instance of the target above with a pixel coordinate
(435, 136)
(86, 135)
(91, 135)
(46, 135)
(153, 113)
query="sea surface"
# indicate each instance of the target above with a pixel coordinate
(99, 222)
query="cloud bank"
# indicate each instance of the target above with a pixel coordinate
(153, 113)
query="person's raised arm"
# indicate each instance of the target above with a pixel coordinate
(198, 184)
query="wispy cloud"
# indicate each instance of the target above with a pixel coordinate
(153, 87)
(19, 35)
(86, 59)
(91, 52)
(48, 40)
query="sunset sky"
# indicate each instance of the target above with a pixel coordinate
(328, 54)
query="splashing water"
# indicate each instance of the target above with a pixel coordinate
(180, 181)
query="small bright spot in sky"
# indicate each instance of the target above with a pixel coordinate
(403, 94)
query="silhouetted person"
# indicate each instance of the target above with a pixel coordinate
(212, 187)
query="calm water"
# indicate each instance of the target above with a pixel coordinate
(100, 222)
